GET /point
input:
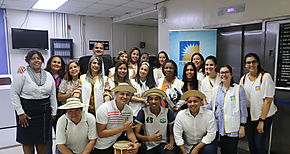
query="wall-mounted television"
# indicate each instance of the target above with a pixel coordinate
(29, 39)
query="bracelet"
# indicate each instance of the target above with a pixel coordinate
(242, 124)
(260, 119)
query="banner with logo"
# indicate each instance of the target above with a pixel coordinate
(184, 43)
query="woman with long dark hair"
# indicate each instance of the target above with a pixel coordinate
(134, 58)
(212, 77)
(198, 60)
(70, 81)
(160, 59)
(123, 56)
(144, 80)
(189, 77)
(260, 91)
(121, 75)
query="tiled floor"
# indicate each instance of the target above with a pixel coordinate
(17, 150)
(243, 149)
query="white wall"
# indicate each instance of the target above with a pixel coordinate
(189, 14)
(129, 36)
(15, 19)
(83, 29)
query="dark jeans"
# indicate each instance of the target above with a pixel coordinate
(229, 145)
(207, 149)
(160, 150)
(256, 140)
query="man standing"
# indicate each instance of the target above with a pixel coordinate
(157, 123)
(113, 118)
(97, 50)
(195, 127)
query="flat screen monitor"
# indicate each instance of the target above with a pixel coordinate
(29, 39)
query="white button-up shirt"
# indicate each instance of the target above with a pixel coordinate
(189, 130)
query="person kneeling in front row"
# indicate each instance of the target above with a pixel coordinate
(157, 123)
(76, 130)
(113, 118)
(195, 127)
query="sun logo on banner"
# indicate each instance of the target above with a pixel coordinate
(187, 48)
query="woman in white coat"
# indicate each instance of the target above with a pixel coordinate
(229, 106)
(144, 81)
(260, 90)
(92, 85)
(212, 77)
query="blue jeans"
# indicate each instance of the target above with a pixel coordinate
(207, 149)
(256, 140)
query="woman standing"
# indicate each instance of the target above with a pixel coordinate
(92, 85)
(170, 85)
(122, 56)
(134, 59)
(34, 98)
(157, 71)
(189, 77)
(198, 61)
(120, 76)
(70, 82)
(260, 90)
(144, 80)
(212, 79)
(229, 106)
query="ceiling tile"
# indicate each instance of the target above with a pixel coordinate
(136, 4)
(101, 6)
(78, 3)
(19, 4)
(150, 1)
(124, 9)
(114, 2)
(66, 9)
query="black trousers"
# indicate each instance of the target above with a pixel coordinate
(229, 145)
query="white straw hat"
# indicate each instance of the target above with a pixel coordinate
(124, 87)
(72, 103)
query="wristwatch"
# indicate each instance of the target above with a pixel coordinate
(260, 119)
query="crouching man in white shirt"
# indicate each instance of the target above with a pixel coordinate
(75, 130)
(113, 118)
(195, 127)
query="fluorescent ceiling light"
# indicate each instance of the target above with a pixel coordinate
(48, 4)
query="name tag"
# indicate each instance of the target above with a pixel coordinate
(258, 88)
(233, 98)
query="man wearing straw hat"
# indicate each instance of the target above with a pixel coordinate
(195, 127)
(76, 130)
(157, 123)
(113, 118)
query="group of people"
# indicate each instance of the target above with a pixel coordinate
(92, 104)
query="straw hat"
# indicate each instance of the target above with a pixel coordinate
(72, 103)
(155, 92)
(190, 93)
(124, 87)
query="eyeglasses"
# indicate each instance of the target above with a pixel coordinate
(225, 73)
(251, 62)
(193, 101)
(99, 48)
